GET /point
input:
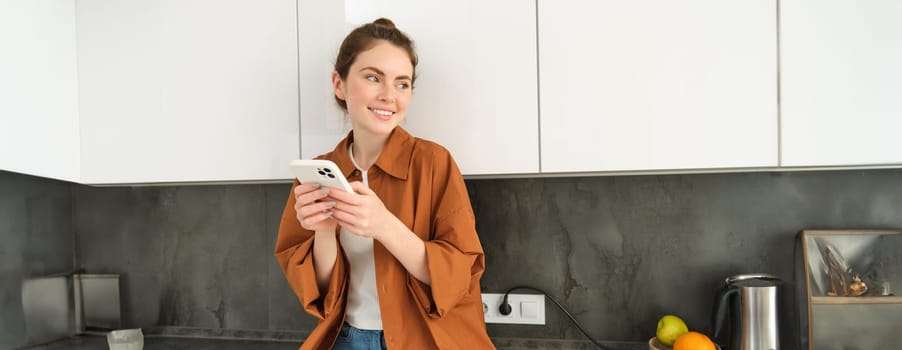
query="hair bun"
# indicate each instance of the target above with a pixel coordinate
(385, 22)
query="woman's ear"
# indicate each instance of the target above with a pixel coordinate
(338, 86)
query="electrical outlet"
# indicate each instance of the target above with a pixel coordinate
(525, 308)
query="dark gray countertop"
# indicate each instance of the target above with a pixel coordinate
(153, 342)
(96, 342)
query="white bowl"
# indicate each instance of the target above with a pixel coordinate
(126, 339)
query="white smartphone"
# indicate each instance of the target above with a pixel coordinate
(321, 171)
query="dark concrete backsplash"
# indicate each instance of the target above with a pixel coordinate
(617, 251)
(35, 240)
(197, 256)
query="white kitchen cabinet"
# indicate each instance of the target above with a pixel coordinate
(184, 91)
(657, 85)
(841, 82)
(476, 87)
(39, 89)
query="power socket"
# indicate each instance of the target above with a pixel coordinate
(525, 308)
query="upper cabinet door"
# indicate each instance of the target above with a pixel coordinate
(38, 89)
(657, 84)
(476, 87)
(187, 90)
(841, 82)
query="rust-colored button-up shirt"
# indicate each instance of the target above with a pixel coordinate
(420, 183)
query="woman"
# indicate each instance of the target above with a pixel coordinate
(397, 264)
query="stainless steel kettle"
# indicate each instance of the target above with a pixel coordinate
(750, 301)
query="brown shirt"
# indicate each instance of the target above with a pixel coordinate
(420, 183)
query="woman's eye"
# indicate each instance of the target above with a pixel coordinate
(403, 86)
(372, 78)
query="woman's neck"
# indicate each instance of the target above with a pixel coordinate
(367, 148)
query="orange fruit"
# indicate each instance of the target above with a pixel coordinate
(693, 341)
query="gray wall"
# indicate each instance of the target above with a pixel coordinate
(36, 239)
(198, 256)
(619, 252)
(622, 251)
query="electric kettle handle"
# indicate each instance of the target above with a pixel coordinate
(760, 276)
(721, 309)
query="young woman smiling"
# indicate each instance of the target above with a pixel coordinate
(395, 265)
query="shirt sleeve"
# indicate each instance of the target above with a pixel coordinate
(294, 252)
(454, 253)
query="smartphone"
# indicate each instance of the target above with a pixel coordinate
(321, 171)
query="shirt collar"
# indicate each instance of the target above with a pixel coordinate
(394, 159)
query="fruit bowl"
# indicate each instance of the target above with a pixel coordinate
(654, 344)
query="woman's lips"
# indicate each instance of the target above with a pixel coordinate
(382, 114)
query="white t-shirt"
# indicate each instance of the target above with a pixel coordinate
(363, 299)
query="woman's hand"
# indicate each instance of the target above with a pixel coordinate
(314, 208)
(362, 214)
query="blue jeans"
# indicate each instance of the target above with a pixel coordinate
(350, 338)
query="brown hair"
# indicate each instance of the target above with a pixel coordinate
(363, 38)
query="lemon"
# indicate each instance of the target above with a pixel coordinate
(670, 328)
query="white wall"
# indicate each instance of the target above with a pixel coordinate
(39, 89)
(187, 91)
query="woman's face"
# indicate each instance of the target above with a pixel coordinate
(377, 89)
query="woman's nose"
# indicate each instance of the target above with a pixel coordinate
(387, 93)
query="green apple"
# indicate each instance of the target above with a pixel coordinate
(670, 328)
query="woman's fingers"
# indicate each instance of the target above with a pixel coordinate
(347, 221)
(360, 188)
(305, 187)
(361, 213)
(305, 194)
(318, 207)
(346, 197)
(312, 209)
(310, 222)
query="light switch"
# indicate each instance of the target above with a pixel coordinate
(528, 309)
